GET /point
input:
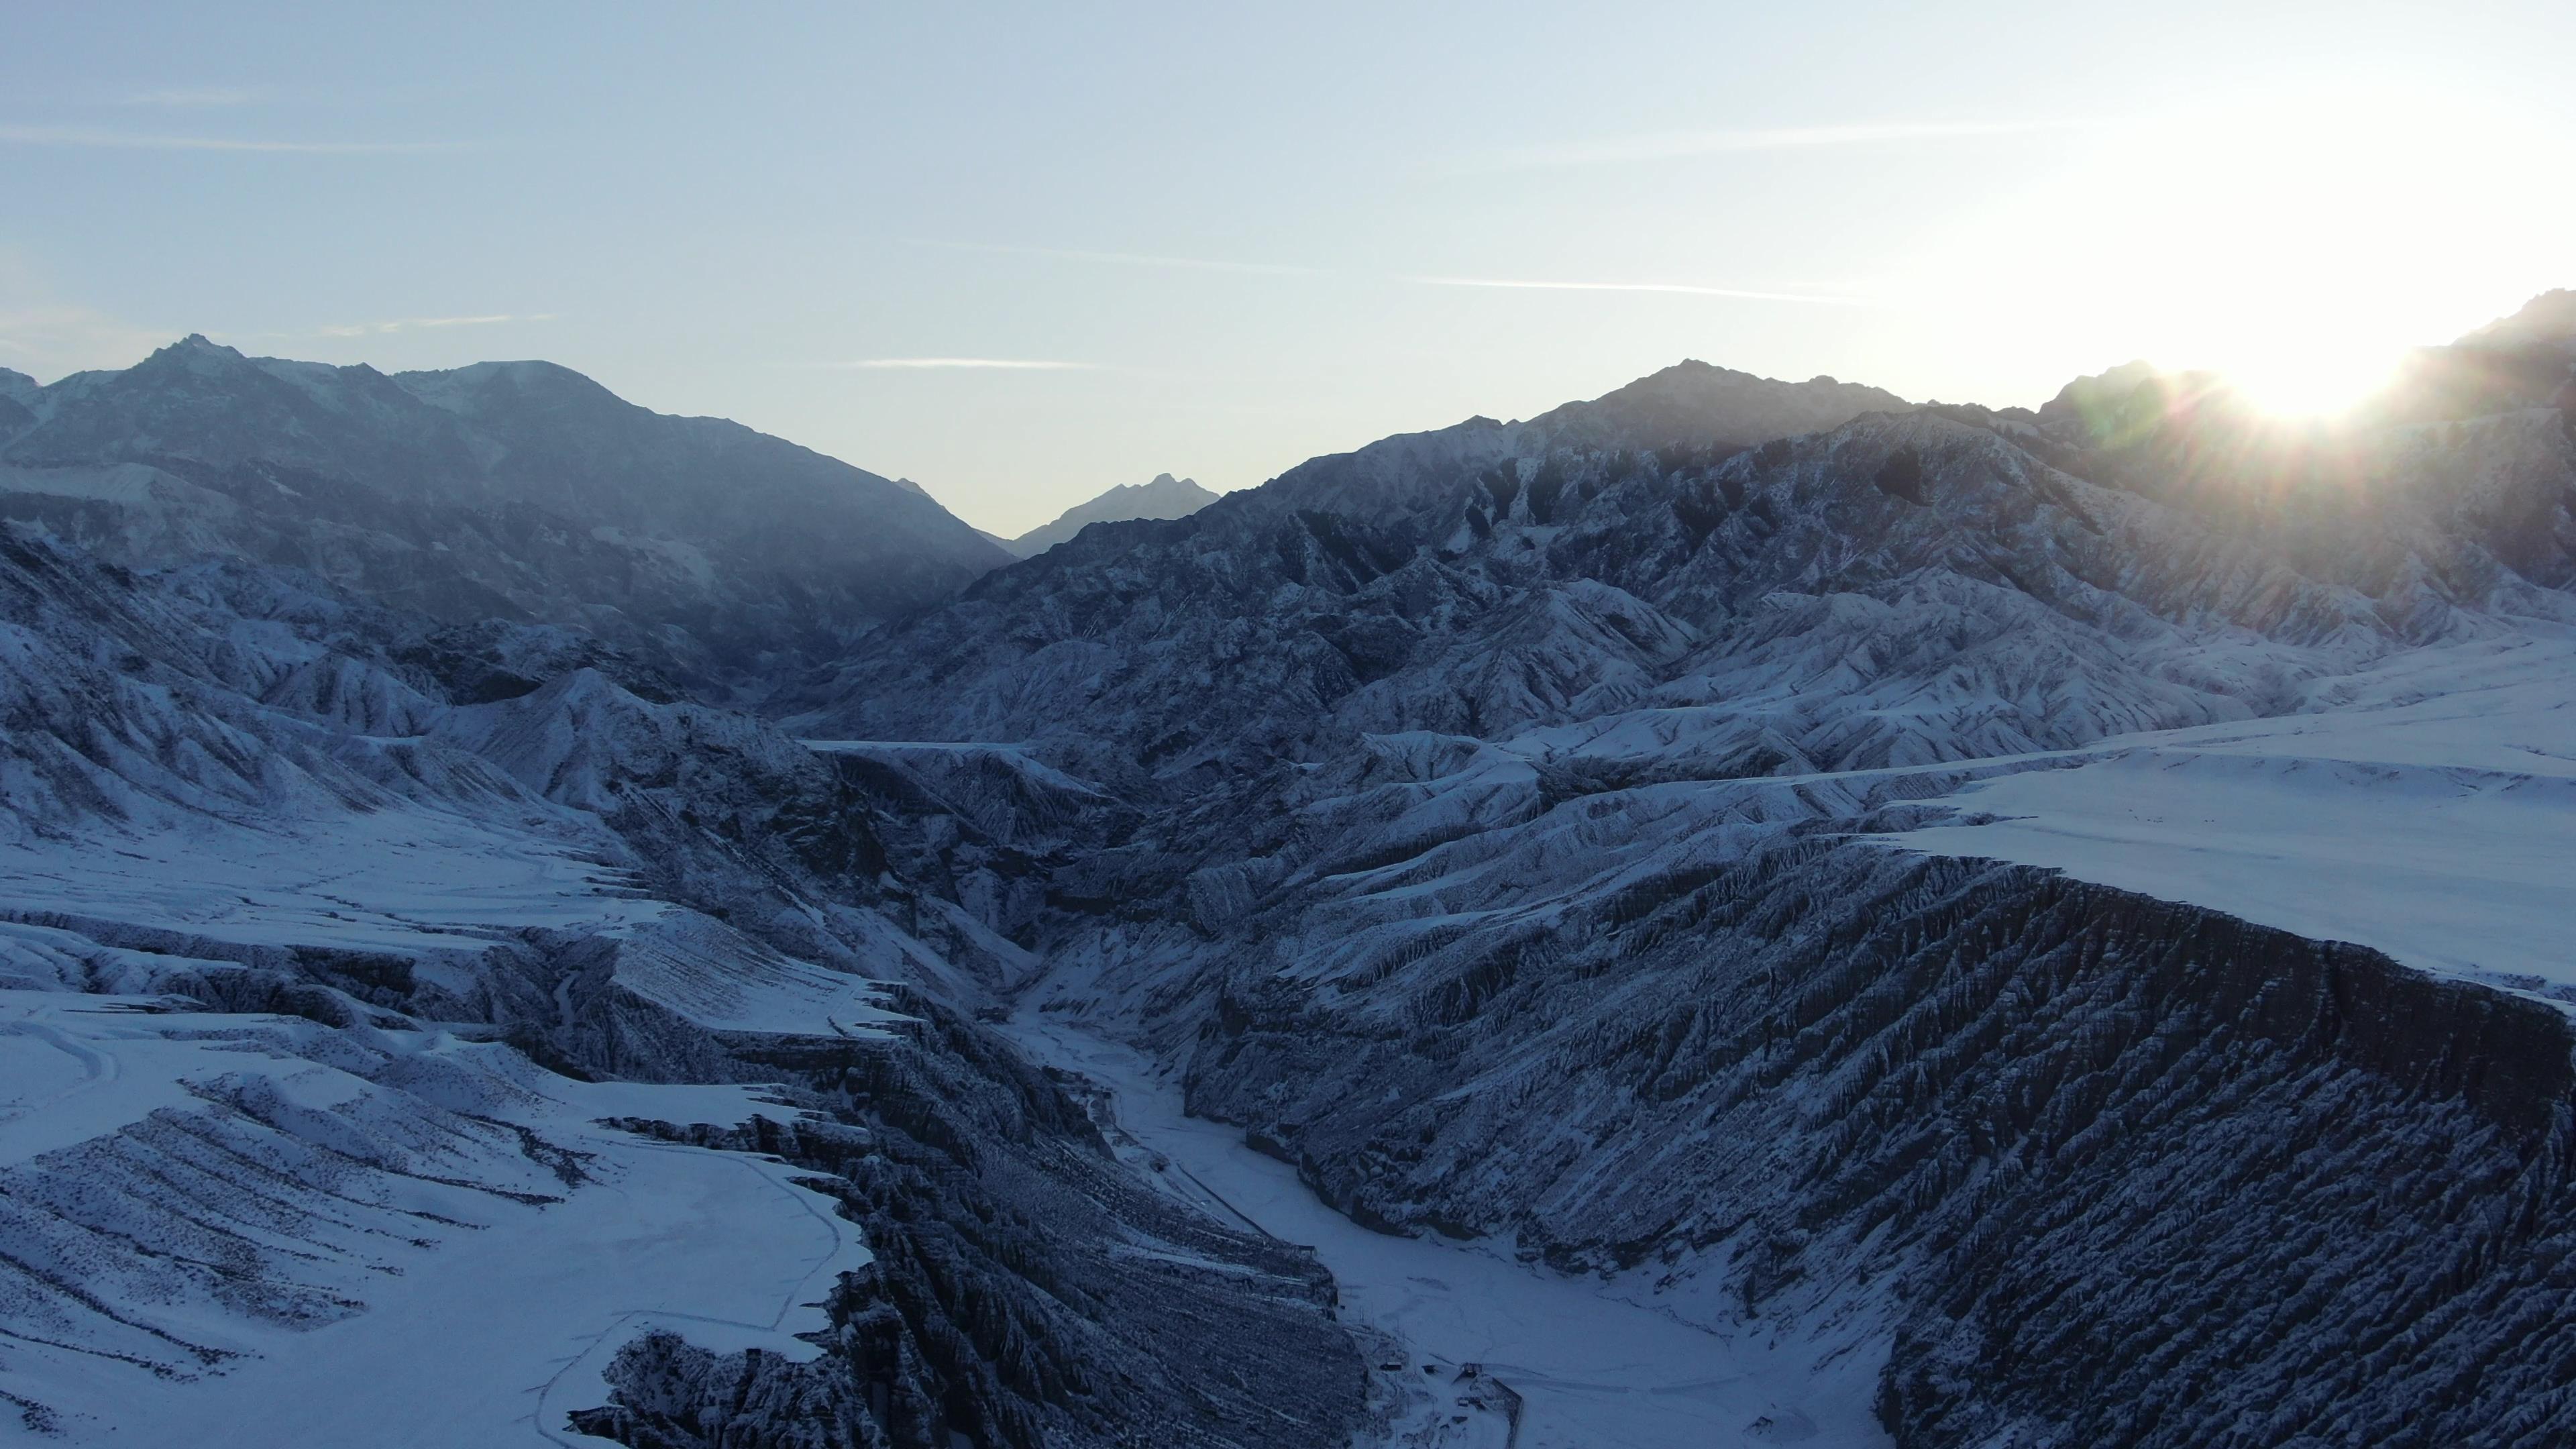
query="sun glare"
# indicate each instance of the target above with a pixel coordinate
(2304, 382)
(2296, 242)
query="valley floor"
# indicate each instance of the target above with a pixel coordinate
(1595, 1367)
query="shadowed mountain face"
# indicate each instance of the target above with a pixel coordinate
(1165, 497)
(516, 490)
(2525, 360)
(2189, 436)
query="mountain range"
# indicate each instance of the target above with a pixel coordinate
(515, 491)
(1736, 911)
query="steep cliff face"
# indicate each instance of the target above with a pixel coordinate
(1026, 1291)
(2129, 1172)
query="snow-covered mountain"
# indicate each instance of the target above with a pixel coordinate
(515, 490)
(1582, 838)
(1733, 912)
(1165, 497)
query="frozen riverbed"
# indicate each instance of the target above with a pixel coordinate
(1595, 1369)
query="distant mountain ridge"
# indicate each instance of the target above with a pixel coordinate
(1694, 404)
(504, 489)
(1407, 506)
(1165, 497)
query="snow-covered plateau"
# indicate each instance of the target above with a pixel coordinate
(2429, 813)
(1732, 913)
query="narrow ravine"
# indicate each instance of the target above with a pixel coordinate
(1595, 1370)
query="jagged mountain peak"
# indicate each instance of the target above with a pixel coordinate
(1183, 490)
(2109, 381)
(195, 355)
(1164, 497)
(1699, 404)
(2116, 404)
(197, 344)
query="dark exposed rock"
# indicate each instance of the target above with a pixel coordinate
(1026, 1290)
(2140, 1174)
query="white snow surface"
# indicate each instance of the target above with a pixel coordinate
(423, 1280)
(435, 886)
(1597, 1365)
(405, 879)
(2428, 810)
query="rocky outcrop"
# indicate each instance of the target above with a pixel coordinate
(1027, 1291)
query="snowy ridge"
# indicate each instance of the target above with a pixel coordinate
(502, 490)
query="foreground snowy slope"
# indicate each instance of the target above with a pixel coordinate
(322, 1204)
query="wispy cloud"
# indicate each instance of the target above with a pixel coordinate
(190, 96)
(1675, 145)
(1286, 269)
(1137, 259)
(370, 329)
(134, 141)
(1014, 364)
(1686, 289)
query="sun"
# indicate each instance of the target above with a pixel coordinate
(2298, 241)
(2301, 380)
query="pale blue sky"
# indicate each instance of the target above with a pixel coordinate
(1243, 235)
